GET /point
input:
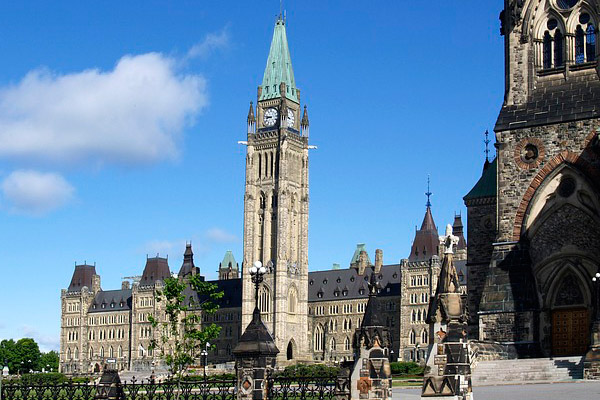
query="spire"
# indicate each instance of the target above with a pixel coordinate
(304, 121)
(486, 164)
(188, 267)
(458, 229)
(279, 68)
(426, 243)
(251, 118)
(428, 193)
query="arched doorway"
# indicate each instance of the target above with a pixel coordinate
(570, 319)
(97, 368)
(290, 350)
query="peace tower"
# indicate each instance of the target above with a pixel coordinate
(276, 204)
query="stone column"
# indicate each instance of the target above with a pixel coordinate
(591, 362)
(371, 376)
(254, 359)
(449, 363)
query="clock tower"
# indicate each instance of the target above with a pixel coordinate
(276, 205)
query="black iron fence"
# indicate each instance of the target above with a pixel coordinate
(324, 387)
(134, 390)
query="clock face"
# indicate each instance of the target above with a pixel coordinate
(270, 117)
(291, 118)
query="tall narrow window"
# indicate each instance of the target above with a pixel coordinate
(424, 337)
(347, 344)
(413, 337)
(259, 166)
(579, 49)
(547, 50)
(558, 49)
(292, 300)
(318, 338)
(591, 42)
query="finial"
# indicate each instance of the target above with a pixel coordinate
(487, 149)
(428, 193)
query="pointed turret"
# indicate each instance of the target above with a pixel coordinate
(251, 118)
(228, 268)
(458, 229)
(304, 123)
(188, 267)
(426, 243)
(279, 68)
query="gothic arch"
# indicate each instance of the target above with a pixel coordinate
(291, 349)
(563, 277)
(564, 157)
(318, 338)
(292, 300)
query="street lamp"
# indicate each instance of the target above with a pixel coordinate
(204, 354)
(596, 280)
(257, 272)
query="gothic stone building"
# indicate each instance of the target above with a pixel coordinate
(311, 315)
(534, 216)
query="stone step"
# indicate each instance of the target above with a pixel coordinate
(528, 370)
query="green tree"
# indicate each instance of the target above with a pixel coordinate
(182, 334)
(49, 361)
(8, 356)
(28, 353)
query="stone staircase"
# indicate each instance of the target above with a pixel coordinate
(532, 370)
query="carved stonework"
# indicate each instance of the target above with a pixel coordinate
(569, 293)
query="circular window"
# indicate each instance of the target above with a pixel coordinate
(567, 186)
(311, 282)
(324, 281)
(352, 279)
(552, 24)
(566, 4)
(530, 153)
(584, 18)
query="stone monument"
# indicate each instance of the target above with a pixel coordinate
(371, 376)
(448, 374)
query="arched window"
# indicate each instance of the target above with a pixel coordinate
(332, 345)
(91, 353)
(318, 338)
(424, 336)
(579, 47)
(347, 343)
(68, 354)
(120, 351)
(292, 300)
(558, 49)
(547, 50)
(413, 316)
(76, 354)
(101, 352)
(264, 300)
(111, 353)
(590, 42)
(413, 337)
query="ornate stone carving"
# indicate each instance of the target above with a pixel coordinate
(569, 293)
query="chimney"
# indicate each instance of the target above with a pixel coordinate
(362, 262)
(378, 260)
(125, 285)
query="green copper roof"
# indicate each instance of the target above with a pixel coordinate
(228, 258)
(279, 67)
(355, 257)
(486, 185)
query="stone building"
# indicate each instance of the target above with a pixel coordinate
(533, 217)
(311, 315)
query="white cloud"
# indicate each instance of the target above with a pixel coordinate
(133, 114)
(45, 342)
(35, 193)
(219, 235)
(211, 43)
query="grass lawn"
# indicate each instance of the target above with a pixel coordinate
(404, 381)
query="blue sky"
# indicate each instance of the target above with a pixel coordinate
(119, 124)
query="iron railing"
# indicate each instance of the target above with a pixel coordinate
(133, 390)
(324, 387)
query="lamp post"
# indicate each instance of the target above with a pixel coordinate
(257, 272)
(204, 354)
(596, 280)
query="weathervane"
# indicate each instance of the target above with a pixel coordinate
(428, 193)
(487, 148)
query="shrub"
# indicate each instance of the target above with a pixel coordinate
(51, 378)
(299, 370)
(406, 368)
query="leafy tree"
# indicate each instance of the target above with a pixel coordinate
(8, 356)
(182, 334)
(49, 361)
(28, 353)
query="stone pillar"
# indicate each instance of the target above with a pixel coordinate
(254, 359)
(591, 362)
(371, 376)
(449, 375)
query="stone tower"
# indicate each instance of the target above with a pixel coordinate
(276, 204)
(533, 287)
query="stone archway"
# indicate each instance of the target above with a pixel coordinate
(570, 318)
(290, 352)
